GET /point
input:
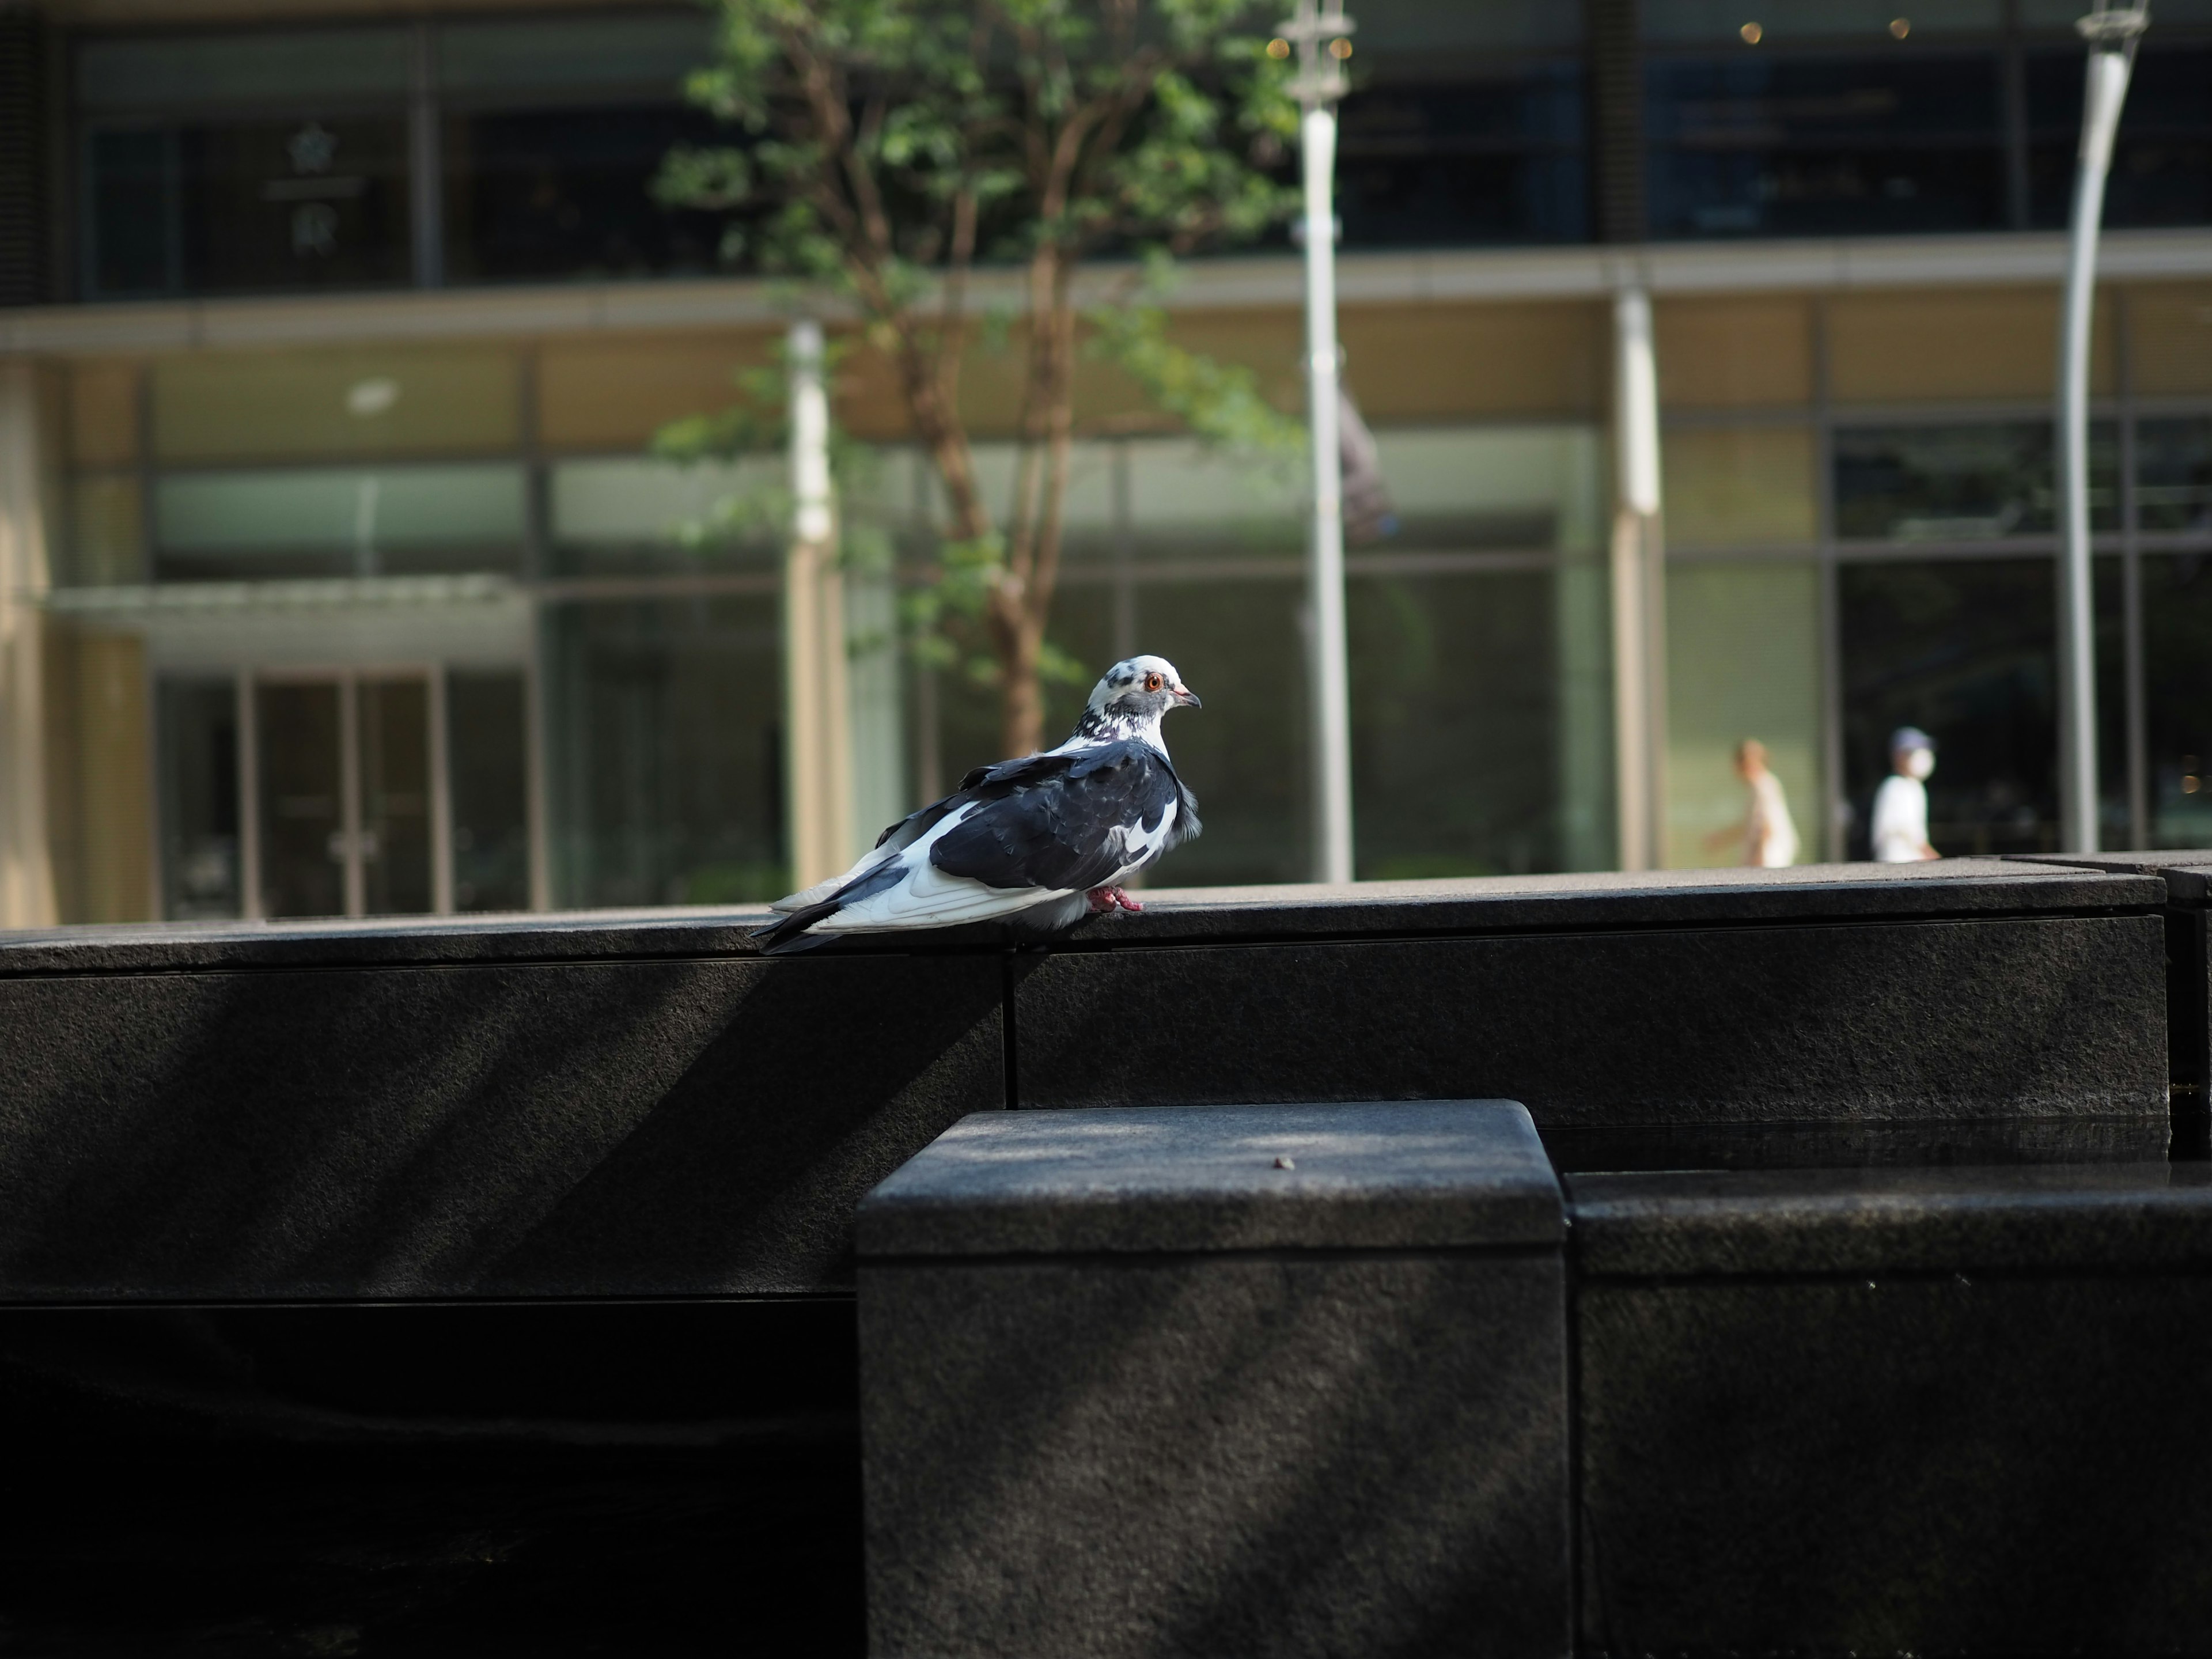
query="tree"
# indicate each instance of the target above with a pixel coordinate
(888, 148)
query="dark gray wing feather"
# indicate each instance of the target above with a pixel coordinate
(1054, 826)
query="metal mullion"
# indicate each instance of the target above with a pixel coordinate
(425, 164)
(249, 800)
(1829, 606)
(441, 796)
(2131, 610)
(350, 826)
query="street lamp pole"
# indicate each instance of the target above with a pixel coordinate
(2111, 34)
(1322, 33)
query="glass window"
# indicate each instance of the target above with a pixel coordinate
(2178, 696)
(559, 55)
(627, 512)
(2173, 475)
(198, 734)
(1965, 650)
(1743, 660)
(313, 200)
(1456, 725)
(302, 808)
(1445, 157)
(323, 521)
(1739, 486)
(486, 745)
(222, 70)
(106, 532)
(544, 194)
(260, 406)
(1758, 143)
(2162, 160)
(1976, 483)
(666, 746)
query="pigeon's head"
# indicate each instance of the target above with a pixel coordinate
(1134, 694)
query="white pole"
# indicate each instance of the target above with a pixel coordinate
(1331, 676)
(2111, 38)
(1638, 590)
(817, 737)
(1319, 85)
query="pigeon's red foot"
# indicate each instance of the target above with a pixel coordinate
(1105, 901)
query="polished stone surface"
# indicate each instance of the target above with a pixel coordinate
(1899, 1019)
(1903, 1463)
(1244, 1455)
(1216, 1407)
(1948, 887)
(1373, 1175)
(576, 1129)
(2014, 1218)
(1895, 1411)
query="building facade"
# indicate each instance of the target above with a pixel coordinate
(338, 575)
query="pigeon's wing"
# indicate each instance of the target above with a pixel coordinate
(1109, 808)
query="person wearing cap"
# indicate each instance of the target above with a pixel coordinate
(1900, 805)
(1767, 836)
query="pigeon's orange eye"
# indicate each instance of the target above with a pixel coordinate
(1153, 681)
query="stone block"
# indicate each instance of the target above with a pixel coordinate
(2186, 874)
(1920, 1018)
(567, 1127)
(1216, 1381)
(1885, 1411)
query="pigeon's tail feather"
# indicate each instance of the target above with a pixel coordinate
(788, 933)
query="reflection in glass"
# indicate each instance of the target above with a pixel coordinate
(1753, 144)
(666, 745)
(1977, 482)
(302, 807)
(487, 749)
(542, 194)
(1442, 159)
(394, 746)
(2174, 474)
(197, 763)
(1456, 724)
(302, 201)
(1963, 649)
(2178, 696)
(2162, 158)
(339, 521)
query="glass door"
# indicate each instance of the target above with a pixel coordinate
(342, 793)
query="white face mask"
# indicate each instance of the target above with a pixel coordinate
(1919, 762)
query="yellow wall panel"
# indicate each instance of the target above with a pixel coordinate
(115, 776)
(616, 394)
(381, 401)
(2170, 338)
(1735, 353)
(103, 414)
(1962, 344)
(1739, 486)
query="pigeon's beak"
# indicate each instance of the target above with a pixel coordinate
(1186, 698)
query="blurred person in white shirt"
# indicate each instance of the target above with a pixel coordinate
(1767, 834)
(1900, 805)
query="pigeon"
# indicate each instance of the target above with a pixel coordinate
(1042, 840)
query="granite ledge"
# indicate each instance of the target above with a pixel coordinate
(2187, 872)
(1424, 1175)
(1607, 900)
(1749, 1223)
